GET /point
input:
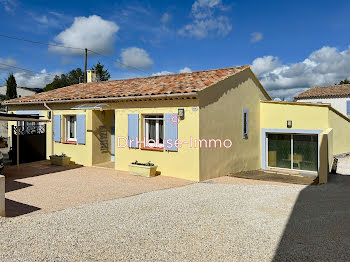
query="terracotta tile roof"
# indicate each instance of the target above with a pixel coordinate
(156, 85)
(325, 91)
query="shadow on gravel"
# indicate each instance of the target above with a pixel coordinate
(14, 208)
(13, 185)
(319, 225)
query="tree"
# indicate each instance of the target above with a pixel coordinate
(75, 76)
(344, 82)
(11, 91)
(101, 75)
(72, 77)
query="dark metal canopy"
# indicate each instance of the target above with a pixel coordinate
(16, 117)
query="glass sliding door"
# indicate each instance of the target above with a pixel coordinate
(279, 148)
(305, 152)
(292, 151)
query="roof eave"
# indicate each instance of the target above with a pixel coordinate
(191, 94)
(321, 97)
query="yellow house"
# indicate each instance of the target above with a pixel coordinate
(195, 126)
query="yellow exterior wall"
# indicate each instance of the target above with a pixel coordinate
(181, 164)
(326, 155)
(335, 127)
(341, 133)
(80, 154)
(220, 117)
(307, 116)
(275, 116)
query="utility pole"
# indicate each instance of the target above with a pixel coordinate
(85, 72)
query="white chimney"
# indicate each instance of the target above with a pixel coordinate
(91, 76)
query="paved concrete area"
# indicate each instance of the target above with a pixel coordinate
(40, 187)
(276, 176)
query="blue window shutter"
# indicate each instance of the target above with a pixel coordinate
(81, 129)
(57, 128)
(348, 107)
(171, 133)
(133, 129)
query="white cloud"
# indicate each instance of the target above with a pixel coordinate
(165, 18)
(256, 37)
(185, 70)
(51, 19)
(162, 73)
(134, 57)
(34, 80)
(205, 20)
(265, 64)
(7, 61)
(325, 66)
(9, 5)
(42, 19)
(91, 32)
(25, 78)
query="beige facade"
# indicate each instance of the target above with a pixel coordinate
(221, 111)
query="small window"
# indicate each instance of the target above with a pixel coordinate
(71, 128)
(245, 124)
(154, 130)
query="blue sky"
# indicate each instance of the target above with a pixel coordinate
(291, 45)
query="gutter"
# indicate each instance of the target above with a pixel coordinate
(104, 99)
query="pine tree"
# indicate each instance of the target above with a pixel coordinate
(344, 82)
(101, 75)
(11, 91)
(71, 78)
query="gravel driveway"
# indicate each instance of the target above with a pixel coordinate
(199, 222)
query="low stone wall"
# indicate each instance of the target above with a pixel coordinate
(2, 195)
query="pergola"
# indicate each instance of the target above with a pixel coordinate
(19, 118)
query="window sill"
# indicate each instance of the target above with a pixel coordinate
(160, 149)
(69, 142)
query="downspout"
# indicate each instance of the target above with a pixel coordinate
(52, 125)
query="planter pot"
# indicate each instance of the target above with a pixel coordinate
(139, 170)
(60, 161)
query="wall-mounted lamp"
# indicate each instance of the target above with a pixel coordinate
(289, 123)
(181, 113)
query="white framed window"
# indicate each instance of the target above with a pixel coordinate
(154, 130)
(71, 128)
